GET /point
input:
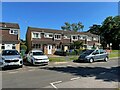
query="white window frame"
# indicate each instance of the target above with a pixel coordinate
(48, 35)
(39, 35)
(57, 38)
(89, 39)
(94, 39)
(74, 35)
(65, 37)
(82, 37)
(13, 31)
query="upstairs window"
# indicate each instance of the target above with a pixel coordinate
(82, 37)
(48, 35)
(12, 31)
(57, 36)
(66, 37)
(35, 35)
(74, 37)
(95, 39)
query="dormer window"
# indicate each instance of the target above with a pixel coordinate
(66, 37)
(36, 35)
(57, 36)
(48, 35)
(13, 31)
(74, 37)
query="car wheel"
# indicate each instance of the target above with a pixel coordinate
(91, 60)
(106, 59)
(32, 62)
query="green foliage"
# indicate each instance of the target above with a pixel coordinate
(72, 27)
(23, 47)
(77, 44)
(109, 31)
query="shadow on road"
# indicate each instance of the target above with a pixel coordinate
(106, 74)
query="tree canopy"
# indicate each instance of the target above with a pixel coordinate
(109, 31)
(72, 27)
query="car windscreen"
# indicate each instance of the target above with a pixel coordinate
(10, 52)
(38, 53)
(88, 52)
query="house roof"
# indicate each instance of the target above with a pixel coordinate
(59, 31)
(9, 25)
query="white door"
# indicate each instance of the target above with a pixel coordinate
(49, 49)
(8, 46)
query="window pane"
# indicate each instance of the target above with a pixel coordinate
(13, 47)
(2, 47)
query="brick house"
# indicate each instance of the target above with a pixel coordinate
(49, 40)
(10, 36)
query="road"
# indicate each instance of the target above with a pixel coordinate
(64, 75)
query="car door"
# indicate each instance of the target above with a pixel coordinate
(96, 55)
(103, 54)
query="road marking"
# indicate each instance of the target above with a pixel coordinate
(75, 78)
(52, 84)
(13, 72)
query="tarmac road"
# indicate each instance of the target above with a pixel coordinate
(64, 75)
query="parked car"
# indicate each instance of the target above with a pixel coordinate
(10, 58)
(61, 53)
(93, 55)
(37, 57)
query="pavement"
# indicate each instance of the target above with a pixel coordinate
(64, 75)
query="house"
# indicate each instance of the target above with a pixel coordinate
(50, 40)
(10, 36)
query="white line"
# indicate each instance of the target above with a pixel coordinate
(13, 72)
(75, 78)
(52, 84)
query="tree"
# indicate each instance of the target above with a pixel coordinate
(72, 27)
(77, 44)
(95, 29)
(109, 31)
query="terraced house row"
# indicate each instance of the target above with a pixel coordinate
(48, 40)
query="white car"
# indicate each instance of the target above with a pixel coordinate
(10, 58)
(37, 57)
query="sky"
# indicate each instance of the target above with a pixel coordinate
(53, 14)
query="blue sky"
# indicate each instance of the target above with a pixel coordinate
(53, 15)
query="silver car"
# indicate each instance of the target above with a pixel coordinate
(93, 55)
(10, 58)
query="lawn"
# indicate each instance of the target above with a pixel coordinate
(114, 53)
(63, 58)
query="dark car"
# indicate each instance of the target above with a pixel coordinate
(93, 55)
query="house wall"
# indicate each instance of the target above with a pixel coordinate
(18, 47)
(50, 41)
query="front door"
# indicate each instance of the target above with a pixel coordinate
(49, 49)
